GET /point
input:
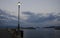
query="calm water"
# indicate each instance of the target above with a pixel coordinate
(41, 33)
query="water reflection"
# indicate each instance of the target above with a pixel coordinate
(41, 33)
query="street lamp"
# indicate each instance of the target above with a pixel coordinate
(20, 32)
(18, 17)
(17, 33)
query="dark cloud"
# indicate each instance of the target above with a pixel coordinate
(27, 13)
(41, 20)
(6, 19)
(35, 18)
(32, 19)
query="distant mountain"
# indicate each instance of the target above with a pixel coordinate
(8, 26)
(55, 27)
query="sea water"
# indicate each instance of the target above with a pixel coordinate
(41, 33)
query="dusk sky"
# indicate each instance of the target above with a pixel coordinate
(33, 12)
(36, 6)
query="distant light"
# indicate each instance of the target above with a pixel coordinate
(19, 3)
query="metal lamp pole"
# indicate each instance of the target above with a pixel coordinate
(20, 32)
(17, 34)
(18, 16)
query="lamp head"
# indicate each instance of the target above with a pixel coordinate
(19, 3)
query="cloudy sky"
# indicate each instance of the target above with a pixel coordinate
(30, 10)
(36, 6)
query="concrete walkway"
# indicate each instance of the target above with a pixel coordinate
(5, 34)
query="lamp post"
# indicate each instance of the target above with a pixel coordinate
(18, 29)
(18, 16)
(17, 33)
